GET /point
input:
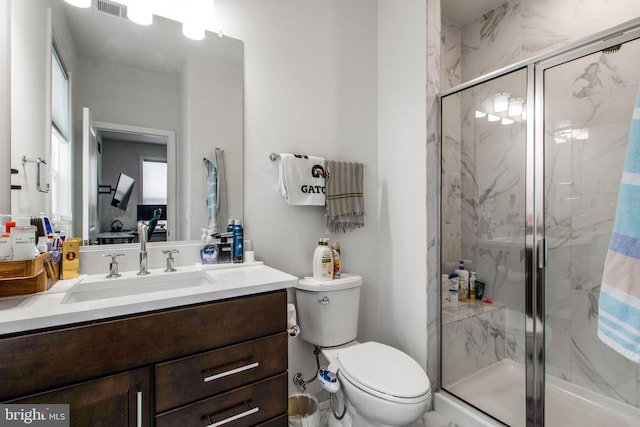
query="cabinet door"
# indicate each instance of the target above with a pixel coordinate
(118, 400)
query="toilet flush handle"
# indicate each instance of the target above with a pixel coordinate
(324, 300)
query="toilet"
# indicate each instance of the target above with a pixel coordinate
(382, 386)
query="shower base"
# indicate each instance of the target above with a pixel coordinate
(499, 390)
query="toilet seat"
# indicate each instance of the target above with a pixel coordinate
(385, 372)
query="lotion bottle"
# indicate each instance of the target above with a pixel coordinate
(463, 278)
(472, 286)
(323, 261)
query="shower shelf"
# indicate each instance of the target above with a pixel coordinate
(455, 311)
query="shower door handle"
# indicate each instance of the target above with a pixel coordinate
(542, 253)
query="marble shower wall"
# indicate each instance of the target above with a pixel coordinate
(521, 29)
(588, 105)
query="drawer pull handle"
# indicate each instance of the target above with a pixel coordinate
(139, 409)
(235, 417)
(231, 372)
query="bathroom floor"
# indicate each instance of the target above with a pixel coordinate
(430, 419)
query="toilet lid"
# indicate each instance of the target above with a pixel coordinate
(384, 369)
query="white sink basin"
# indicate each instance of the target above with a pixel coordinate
(95, 288)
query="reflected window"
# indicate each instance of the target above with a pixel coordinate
(60, 165)
(154, 182)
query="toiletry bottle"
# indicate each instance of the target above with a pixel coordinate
(323, 261)
(5, 247)
(230, 225)
(335, 252)
(204, 235)
(454, 287)
(238, 241)
(472, 286)
(23, 242)
(444, 288)
(463, 278)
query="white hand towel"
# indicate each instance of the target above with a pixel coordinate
(302, 179)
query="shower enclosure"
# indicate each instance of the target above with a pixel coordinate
(532, 157)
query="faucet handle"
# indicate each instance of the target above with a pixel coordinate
(113, 265)
(170, 259)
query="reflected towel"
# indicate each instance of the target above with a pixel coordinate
(216, 193)
(619, 305)
(345, 195)
(302, 179)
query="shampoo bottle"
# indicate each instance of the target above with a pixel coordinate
(463, 279)
(445, 287)
(238, 241)
(323, 261)
(453, 287)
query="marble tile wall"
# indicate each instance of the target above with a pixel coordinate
(588, 105)
(473, 338)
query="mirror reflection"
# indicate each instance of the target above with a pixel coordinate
(122, 99)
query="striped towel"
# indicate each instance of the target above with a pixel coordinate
(619, 305)
(345, 196)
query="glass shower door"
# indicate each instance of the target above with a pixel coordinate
(483, 187)
(588, 105)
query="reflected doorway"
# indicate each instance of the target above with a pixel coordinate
(146, 155)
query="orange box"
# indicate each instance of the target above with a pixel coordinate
(71, 258)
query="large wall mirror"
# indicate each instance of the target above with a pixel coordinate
(143, 101)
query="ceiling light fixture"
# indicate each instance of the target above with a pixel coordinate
(500, 102)
(196, 14)
(506, 121)
(480, 114)
(139, 11)
(493, 118)
(515, 106)
(79, 3)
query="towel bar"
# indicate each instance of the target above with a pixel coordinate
(273, 157)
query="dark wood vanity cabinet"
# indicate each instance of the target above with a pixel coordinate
(189, 366)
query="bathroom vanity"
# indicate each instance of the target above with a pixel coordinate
(220, 357)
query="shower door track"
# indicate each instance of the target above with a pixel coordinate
(535, 242)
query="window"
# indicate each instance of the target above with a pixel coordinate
(60, 165)
(154, 182)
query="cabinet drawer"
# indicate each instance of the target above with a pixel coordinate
(27, 362)
(193, 378)
(247, 406)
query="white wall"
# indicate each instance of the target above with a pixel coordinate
(402, 188)
(316, 77)
(5, 112)
(30, 43)
(213, 101)
(310, 88)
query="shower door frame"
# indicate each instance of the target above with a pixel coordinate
(535, 241)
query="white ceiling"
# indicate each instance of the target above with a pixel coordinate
(462, 12)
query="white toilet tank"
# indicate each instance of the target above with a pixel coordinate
(328, 311)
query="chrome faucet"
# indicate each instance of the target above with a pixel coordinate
(170, 259)
(113, 265)
(142, 237)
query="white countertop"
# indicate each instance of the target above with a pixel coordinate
(53, 307)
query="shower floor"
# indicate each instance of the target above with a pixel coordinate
(499, 390)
